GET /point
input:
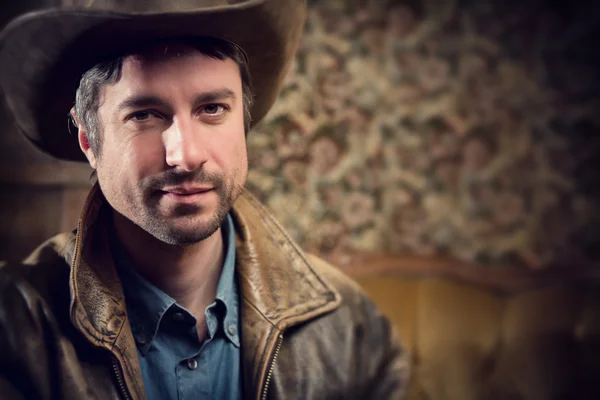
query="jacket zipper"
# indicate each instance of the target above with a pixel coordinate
(120, 380)
(271, 368)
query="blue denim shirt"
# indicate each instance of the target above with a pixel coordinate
(174, 363)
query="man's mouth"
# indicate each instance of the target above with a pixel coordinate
(186, 190)
(186, 194)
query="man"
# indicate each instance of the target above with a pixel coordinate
(177, 283)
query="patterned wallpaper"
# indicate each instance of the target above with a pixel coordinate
(463, 129)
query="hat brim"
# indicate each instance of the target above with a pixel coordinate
(44, 54)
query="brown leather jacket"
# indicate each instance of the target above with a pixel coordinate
(308, 332)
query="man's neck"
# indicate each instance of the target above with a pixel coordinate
(189, 274)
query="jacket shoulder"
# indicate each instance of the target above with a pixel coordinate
(349, 290)
(35, 321)
(46, 269)
(380, 357)
(57, 248)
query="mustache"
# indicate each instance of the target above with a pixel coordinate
(177, 178)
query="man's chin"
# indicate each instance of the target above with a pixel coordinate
(184, 237)
(187, 233)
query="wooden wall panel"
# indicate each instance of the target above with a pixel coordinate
(32, 213)
(72, 203)
(28, 216)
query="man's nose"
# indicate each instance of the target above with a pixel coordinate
(185, 148)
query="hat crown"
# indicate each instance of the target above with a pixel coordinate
(153, 6)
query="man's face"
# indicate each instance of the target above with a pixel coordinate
(173, 157)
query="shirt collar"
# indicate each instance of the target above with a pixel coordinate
(146, 304)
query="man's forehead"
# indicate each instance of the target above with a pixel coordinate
(145, 70)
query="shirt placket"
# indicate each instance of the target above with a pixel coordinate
(193, 372)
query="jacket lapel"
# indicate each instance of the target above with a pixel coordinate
(97, 299)
(279, 287)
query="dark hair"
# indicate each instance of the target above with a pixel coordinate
(87, 97)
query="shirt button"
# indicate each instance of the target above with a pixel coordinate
(192, 364)
(178, 317)
(231, 329)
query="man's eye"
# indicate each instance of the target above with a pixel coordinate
(141, 115)
(213, 109)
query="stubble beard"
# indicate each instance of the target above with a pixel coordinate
(153, 222)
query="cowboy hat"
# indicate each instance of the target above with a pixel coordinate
(43, 54)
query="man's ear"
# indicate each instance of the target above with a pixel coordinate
(84, 142)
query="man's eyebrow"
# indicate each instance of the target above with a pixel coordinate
(143, 101)
(140, 102)
(214, 96)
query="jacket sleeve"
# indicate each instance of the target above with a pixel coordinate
(384, 360)
(9, 392)
(23, 364)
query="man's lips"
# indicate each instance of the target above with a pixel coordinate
(186, 191)
(186, 195)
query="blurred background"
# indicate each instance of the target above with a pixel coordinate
(460, 128)
(446, 154)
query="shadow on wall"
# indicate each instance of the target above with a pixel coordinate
(464, 129)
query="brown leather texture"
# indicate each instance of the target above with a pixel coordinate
(470, 340)
(308, 331)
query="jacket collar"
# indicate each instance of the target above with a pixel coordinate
(278, 288)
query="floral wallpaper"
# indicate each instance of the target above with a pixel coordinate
(463, 129)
